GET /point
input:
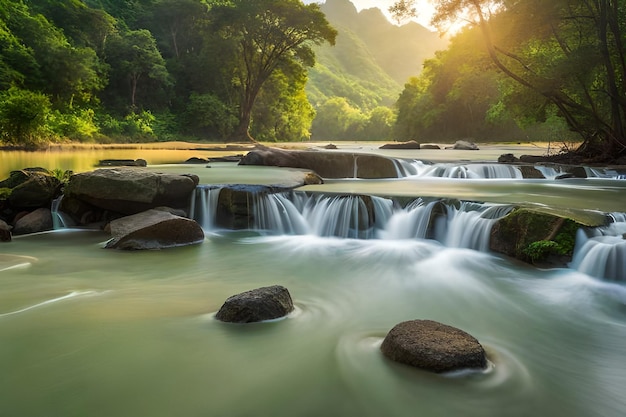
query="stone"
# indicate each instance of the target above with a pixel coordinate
(260, 304)
(507, 158)
(433, 346)
(127, 190)
(122, 163)
(39, 220)
(429, 146)
(153, 229)
(35, 189)
(5, 232)
(325, 164)
(465, 145)
(401, 145)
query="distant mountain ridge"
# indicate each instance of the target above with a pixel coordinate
(372, 58)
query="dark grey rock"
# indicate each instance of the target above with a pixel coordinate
(264, 303)
(153, 229)
(39, 220)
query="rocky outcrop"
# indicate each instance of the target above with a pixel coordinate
(123, 191)
(39, 220)
(153, 229)
(261, 304)
(535, 237)
(433, 346)
(31, 188)
(325, 164)
(401, 145)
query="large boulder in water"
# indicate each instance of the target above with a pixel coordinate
(126, 191)
(433, 346)
(325, 164)
(261, 304)
(153, 229)
(39, 220)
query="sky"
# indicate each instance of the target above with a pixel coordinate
(424, 9)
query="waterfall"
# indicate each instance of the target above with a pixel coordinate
(276, 213)
(60, 220)
(469, 225)
(411, 223)
(601, 252)
(418, 168)
(203, 205)
(345, 216)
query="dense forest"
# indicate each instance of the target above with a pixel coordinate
(282, 70)
(555, 69)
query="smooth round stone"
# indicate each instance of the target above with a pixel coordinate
(433, 346)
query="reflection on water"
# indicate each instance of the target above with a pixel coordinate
(105, 333)
(89, 331)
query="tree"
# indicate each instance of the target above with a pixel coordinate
(23, 117)
(569, 52)
(268, 33)
(282, 111)
(135, 59)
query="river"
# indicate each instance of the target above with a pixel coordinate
(92, 332)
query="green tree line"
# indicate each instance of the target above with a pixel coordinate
(552, 70)
(104, 70)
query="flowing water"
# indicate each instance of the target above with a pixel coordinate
(92, 332)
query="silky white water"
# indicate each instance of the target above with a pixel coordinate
(93, 332)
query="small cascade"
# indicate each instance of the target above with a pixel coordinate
(203, 205)
(469, 225)
(345, 216)
(601, 252)
(418, 168)
(604, 173)
(548, 172)
(276, 213)
(411, 223)
(60, 220)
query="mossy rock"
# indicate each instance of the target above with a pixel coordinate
(535, 237)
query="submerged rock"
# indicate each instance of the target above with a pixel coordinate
(433, 346)
(153, 229)
(122, 163)
(264, 303)
(401, 145)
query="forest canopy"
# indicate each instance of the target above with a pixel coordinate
(560, 64)
(101, 70)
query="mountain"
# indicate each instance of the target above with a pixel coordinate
(372, 58)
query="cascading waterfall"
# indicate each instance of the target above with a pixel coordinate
(469, 225)
(411, 223)
(277, 214)
(203, 205)
(601, 252)
(417, 168)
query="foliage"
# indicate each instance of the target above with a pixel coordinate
(540, 250)
(565, 54)
(62, 175)
(23, 117)
(268, 33)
